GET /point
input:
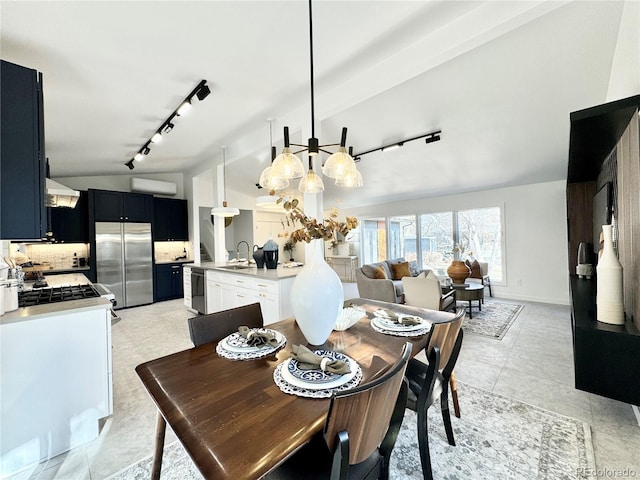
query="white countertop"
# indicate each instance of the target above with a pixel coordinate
(264, 273)
(57, 308)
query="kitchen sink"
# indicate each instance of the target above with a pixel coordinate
(235, 267)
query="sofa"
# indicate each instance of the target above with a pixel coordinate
(377, 281)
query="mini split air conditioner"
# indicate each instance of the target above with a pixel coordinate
(153, 186)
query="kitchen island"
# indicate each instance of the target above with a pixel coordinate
(55, 376)
(230, 285)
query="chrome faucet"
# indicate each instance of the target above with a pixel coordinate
(238, 250)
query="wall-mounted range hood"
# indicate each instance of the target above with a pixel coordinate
(60, 196)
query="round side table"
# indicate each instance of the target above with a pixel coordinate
(470, 292)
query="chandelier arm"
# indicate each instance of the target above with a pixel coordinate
(300, 151)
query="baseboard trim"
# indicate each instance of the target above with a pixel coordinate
(528, 298)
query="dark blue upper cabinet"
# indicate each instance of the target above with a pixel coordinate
(23, 214)
(108, 206)
(170, 220)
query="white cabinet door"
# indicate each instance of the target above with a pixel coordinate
(270, 308)
(186, 284)
(214, 297)
(228, 296)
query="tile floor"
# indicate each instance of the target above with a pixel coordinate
(509, 367)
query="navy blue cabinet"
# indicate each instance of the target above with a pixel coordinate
(170, 220)
(111, 206)
(168, 282)
(22, 167)
(71, 225)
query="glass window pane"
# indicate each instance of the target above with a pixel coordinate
(480, 231)
(436, 241)
(374, 240)
(402, 237)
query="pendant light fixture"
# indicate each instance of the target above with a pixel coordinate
(224, 210)
(268, 178)
(339, 165)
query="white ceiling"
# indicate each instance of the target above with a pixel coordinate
(498, 78)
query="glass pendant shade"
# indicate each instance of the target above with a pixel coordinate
(339, 164)
(225, 211)
(287, 165)
(311, 183)
(353, 180)
(272, 182)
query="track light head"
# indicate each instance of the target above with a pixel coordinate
(138, 156)
(203, 92)
(130, 164)
(432, 138)
(157, 137)
(183, 108)
(168, 127)
(146, 150)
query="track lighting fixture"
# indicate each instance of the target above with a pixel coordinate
(428, 138)
(201, 91)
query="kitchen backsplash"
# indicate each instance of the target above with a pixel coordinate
(59, 255)
(168, 251)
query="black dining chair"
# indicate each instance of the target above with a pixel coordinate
(430, 382)
(359, 434)
(215, 326)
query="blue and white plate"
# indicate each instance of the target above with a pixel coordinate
(316, 379)
(237, 343)
(392, 325)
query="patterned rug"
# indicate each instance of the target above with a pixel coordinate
(497, 438)
(494, 320)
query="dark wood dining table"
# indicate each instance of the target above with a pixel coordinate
(231, 417)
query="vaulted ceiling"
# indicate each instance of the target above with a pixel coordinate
(498, 78)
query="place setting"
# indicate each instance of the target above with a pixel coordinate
(316, 373)
(251, 343)
(398, 324)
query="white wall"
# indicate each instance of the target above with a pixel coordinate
(625, 69)
(121, 183)
(535, 229)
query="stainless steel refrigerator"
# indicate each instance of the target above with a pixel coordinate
(124, 262)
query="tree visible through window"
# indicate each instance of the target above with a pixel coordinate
(478, 230)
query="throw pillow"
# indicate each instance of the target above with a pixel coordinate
(379, 274)
(475, 269)
(400, 270)
(432, 275)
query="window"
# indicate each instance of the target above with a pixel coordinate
(402, 237)
(436, 241)
(374, 240)
(479, 230)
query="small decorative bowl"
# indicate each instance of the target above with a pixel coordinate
(348, 317)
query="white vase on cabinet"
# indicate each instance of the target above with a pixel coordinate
(317, 297)
(609, 297)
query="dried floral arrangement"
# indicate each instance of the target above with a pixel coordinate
(310, 228)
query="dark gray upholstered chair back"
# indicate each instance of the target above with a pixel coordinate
(215, 326)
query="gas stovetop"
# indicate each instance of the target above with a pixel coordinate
(41, 296)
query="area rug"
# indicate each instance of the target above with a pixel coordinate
(494, 320)
(497, 437)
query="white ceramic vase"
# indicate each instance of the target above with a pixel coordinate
(317, 297)
(609, 297)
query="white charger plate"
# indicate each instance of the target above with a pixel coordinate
(238, 344)
(387, 324)
(321, 380)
